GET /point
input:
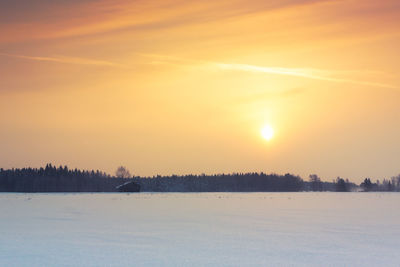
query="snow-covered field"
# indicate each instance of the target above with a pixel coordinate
(207, 229)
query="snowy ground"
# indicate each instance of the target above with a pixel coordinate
(207, 229)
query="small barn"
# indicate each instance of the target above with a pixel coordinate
(128, 187)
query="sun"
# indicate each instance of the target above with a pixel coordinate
(267, 132)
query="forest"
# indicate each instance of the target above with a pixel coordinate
(63, 179)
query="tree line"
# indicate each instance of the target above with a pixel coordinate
(56, 179)
(236, 182)
(63, 179)
(342, 185)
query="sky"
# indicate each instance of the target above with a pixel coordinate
(178, 87)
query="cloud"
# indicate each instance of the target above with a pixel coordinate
(24, 21)
(67, 60)
(315, 74)
(308, 73)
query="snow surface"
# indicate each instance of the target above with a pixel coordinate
(205, 229)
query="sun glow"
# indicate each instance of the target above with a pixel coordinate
(267, 132)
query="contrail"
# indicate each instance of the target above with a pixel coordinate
(309, 73)
(66, 60)
(315, 74)
(305, 73)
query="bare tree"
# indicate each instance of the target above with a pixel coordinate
(396, 182)
(122, 172)
(316, 183)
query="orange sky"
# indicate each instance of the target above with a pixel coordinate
(180, 87)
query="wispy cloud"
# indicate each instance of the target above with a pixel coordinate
(91, 17)
(308, 73)
(315, 74)
(66, 60)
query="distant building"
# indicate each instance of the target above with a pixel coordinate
(128, 187)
